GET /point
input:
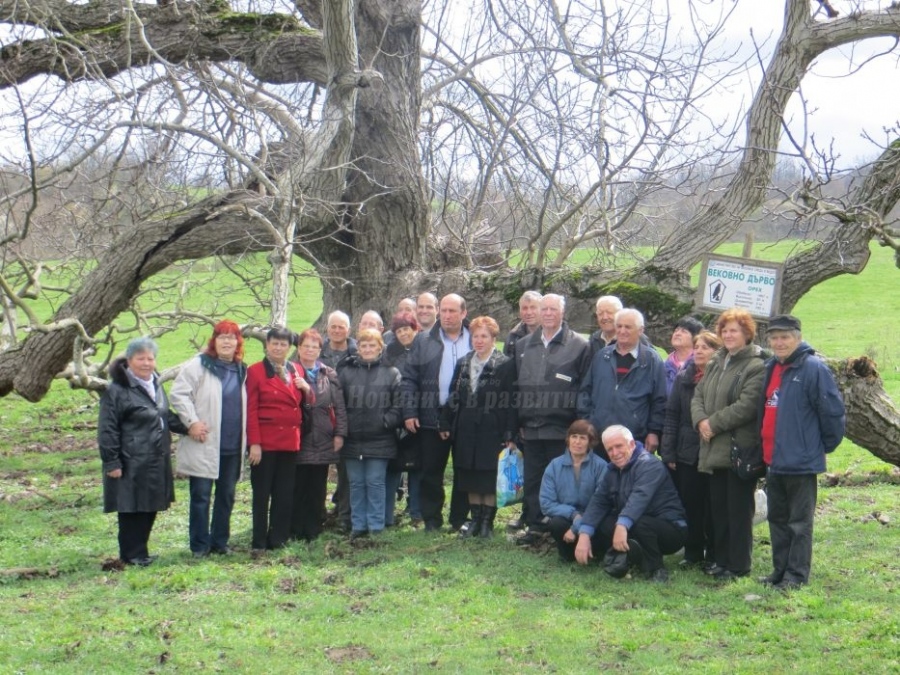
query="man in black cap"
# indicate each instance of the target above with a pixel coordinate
(802, 419)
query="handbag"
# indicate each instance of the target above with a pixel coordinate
(510, 477)
(408, 457)
(747, 462)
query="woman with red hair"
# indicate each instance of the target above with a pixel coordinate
(724, 410)
(210, 398)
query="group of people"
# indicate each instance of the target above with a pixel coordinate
(590, 416)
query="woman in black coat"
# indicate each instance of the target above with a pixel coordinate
(136, 448)
(476, 416)
(372, 397)
(680, 450)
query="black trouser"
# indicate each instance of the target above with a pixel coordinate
(310, 488)
(792, 505)
(732, 504)
(272, 481)
(693, 488)
(341, 497)
(435, 453)
(656, 536)
(537, 455)
(134, 532)
(558, 526)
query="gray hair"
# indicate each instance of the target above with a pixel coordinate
(630, 311)
(610, 299)
(372, 313)
(530, 296)
(617, 430)
(140, 345)
(338, 314)
(560, 299)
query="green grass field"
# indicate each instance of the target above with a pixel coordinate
(408, 602)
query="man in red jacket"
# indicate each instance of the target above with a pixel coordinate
(275, 395)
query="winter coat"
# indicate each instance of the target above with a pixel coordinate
(729, 397)
(196, 395)
(517, 333)
(133, 434)
(638, 402)
(641, 488)
(562, 495)
(680, 440)
(324, 419)
(274, 408)
(372, 397)
(478, 422)
(395, 354)
(334, 359)
(547, 383)
(811, 416)
(421, 377)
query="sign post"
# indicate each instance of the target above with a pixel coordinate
(753, 285)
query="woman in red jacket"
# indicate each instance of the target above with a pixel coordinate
(275, 396)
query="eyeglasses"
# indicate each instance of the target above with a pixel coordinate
(226, 336)
(312, 348)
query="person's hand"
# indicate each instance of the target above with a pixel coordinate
(706, 432)
(444, 435)
(671, 465)
(412, 424)
(115, 473)
(255, 456)
(569, 536)
(651, 443)
(338, 443)
(301, 383)
(198, 430)
(583, 552)
(620, 538)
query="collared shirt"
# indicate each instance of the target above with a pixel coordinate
(454, 350)
(546, 340)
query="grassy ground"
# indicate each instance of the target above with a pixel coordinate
(410, 602)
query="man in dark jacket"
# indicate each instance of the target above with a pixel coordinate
(529, 321)
(626, 384)
(635, 507)
(549, 366)
(425, 388)
(802, 419)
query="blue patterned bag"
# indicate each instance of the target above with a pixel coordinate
(510, 477)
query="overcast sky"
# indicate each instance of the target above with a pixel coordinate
(842, 106)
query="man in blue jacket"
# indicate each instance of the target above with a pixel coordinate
(802, 419)
(636, 508)
(626, 384)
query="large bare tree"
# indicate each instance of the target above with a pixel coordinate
(299, 130)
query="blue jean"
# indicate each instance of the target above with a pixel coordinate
(204, 536)
(367, 478)
(391, 485)
(414, 486)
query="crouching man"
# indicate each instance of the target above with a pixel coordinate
(635, 509)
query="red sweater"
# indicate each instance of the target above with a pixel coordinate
(770, 413)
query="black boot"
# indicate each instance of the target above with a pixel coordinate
(470, 528)
(488, 513)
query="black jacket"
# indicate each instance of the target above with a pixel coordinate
(372, 398)
(520, 331)
(421, 373)
(133, 434)
(478, 422)
(680, 441)
(547, 383)
(324, 419)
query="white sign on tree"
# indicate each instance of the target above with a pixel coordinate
(726, 282)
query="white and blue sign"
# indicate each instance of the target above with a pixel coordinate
(753, 285)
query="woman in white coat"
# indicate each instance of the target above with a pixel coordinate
(210, 398)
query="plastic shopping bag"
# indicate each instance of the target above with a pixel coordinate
(510, 477)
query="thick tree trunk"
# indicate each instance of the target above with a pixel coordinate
(873, 421)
